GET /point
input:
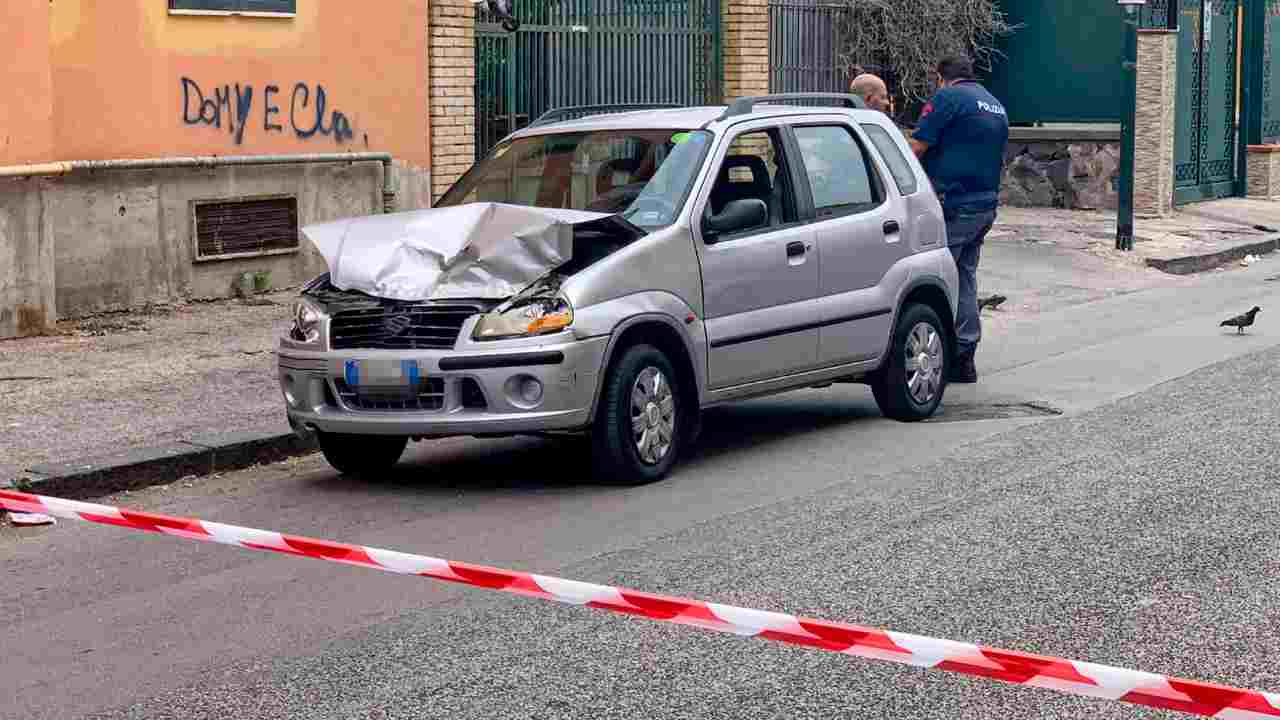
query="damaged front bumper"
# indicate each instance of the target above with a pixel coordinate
(440, 393)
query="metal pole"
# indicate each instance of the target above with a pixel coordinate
(1255, 21)
(1128, 140)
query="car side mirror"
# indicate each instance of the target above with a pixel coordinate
(737, 216)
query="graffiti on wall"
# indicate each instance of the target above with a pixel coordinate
(304, 111)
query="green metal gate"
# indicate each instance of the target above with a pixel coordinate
(1205, 140)
(1270, 79)
(594, 52)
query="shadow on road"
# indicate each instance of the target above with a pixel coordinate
(538, 464)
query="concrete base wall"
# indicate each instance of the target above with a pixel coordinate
(27, 305)
(82, 244)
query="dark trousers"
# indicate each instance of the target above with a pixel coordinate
(965, 235)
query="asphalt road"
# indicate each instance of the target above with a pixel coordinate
(1141, 529)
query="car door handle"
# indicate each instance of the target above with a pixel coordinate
(795, 249)
(891, 227)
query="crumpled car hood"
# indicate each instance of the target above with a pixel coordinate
(480, 250)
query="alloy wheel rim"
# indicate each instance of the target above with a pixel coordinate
(653, 417)
(924, 363)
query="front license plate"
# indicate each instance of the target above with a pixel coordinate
(382, 373)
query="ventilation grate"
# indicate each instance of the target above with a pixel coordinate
(246, 228)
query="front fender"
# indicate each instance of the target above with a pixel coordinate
(615, 317)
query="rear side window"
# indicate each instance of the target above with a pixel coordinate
(839, 170)
(893, 157)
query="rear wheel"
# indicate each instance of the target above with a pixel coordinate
(362, 454)
(910, 386)
(639, 430)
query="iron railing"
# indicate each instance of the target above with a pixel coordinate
(570, 53)
(804, 46)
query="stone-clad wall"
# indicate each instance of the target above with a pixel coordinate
(1076, 169)
(1154, 121)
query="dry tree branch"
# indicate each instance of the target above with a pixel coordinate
(902, 40)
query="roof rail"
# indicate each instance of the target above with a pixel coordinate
(745, 105)
(579, 111)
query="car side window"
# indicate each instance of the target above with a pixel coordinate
(841, 173)
(755, 167)
(903, 177)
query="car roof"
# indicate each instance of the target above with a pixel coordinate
(686, 118)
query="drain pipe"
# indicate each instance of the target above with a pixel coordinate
(211, 161)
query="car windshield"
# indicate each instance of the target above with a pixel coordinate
(643, 174)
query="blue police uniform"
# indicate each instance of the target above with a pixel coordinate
(966, 129)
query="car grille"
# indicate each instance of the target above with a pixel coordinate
(399, 326)
(427, 395)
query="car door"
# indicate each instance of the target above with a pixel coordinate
(760, 285)
(859, 232)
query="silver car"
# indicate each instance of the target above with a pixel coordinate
(618, 273)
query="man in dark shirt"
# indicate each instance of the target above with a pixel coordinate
(960, 140)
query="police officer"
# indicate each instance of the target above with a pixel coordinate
(960, 140)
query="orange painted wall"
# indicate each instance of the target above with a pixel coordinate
(25, 132)
(118, 72)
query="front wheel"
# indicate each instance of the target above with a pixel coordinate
(362, 454)
(639, 429)
(909, 387)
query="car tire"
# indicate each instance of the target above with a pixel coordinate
(362, 454)
(640, 426)
(910, 386)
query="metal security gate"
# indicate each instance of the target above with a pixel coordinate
(594, 52)
(804, 46)
(1205, 139)
(1270, 78)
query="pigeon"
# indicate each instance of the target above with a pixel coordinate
(992, 302)
(1240, 322)
(504, 10)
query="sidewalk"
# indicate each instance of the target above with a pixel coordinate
(1181, 243)
(160, 380)
(142, 379)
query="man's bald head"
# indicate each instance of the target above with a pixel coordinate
(873, 92)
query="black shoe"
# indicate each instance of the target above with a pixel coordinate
(963, 371)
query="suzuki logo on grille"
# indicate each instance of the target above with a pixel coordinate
(396, 322)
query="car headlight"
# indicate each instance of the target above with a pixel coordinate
(526, 318)
(306, 322)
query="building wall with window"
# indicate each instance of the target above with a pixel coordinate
(156, 79)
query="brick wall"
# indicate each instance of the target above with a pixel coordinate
(1154, 126)
(746, 48)
(453, 104)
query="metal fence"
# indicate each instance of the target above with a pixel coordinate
(594, 52)
(1079, 47)
(1271, 73)
(804, 46)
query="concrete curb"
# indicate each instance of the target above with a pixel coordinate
(1200, 263)
(161, 464)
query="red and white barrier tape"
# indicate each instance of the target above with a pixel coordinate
(1067, 676)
